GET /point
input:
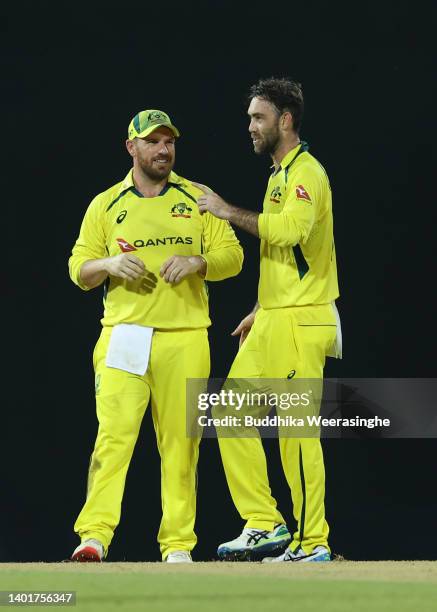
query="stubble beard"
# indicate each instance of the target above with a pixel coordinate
(154, 173)
(270, 142)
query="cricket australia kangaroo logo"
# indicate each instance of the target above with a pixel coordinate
(275, 196)
(181, 210)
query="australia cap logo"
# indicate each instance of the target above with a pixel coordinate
(156, 117)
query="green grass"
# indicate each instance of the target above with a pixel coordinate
(237, 587)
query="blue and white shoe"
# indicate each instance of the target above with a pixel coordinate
(320, 553)
(252, 544)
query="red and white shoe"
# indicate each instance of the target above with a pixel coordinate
(89, 551)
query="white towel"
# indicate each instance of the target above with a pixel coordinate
(129, 348)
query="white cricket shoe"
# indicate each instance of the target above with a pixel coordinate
(88, 551)
(253, 543)
(179, 556)
(320, 553)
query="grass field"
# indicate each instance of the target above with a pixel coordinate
(341, 586)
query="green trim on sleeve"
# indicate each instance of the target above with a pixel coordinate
(123, 193)
(301, 263)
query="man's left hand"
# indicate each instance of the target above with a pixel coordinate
(213, 203)
(178, 267)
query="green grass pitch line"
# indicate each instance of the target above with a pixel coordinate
(214, 587)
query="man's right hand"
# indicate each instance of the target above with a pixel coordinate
(127, 266)
(95, 271)
(244, 327)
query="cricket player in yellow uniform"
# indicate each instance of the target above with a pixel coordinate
(292, 329)
(145, 239)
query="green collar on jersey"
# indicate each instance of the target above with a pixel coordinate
(128, 181)
(128, 185)
(291, 157)
(161, 193)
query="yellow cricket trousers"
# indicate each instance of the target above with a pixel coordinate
(280, 341)
(121, 400)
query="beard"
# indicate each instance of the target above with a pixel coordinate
(269, 142)
(156, 172)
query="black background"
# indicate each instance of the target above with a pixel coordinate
(74, 76)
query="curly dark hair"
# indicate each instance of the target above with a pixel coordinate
(284, 94)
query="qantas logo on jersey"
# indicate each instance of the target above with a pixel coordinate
(163, 241)
(275, 196)
(125, 246)
(302, 193)
(181, 210)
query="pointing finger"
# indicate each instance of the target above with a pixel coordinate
(203, 188)
(237, 331)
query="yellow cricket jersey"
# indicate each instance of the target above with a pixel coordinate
(298, 265)
(121, 220)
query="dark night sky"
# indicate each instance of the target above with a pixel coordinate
(74, 76)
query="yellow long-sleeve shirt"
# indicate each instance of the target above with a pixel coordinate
(121, 220)
(298, 265)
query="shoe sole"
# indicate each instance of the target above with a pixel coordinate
(252, 554)
(86, 555)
